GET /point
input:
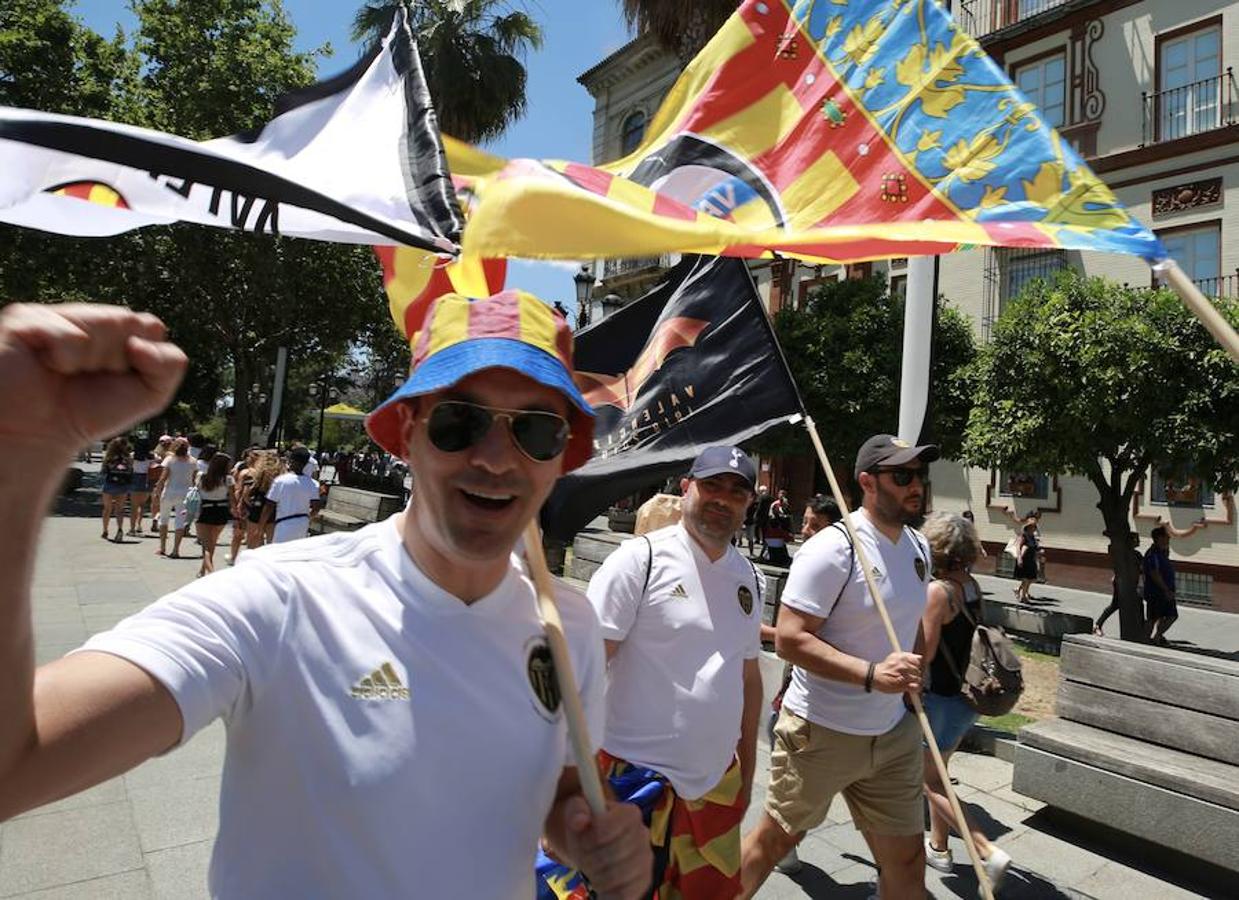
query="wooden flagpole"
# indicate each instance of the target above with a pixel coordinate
(1200, 306)
(960, 822)
(569, 696)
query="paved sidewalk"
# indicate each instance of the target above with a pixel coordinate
(148, 834)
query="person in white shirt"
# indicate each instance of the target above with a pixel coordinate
(843, 726)
(292, 499)
(394, 726)
(681, 612)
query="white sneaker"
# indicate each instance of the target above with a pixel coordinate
(942, 860)
(996, 866)
(789, 864)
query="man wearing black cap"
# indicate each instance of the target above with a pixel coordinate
(681, 611)
(843, 727)
(292, 498)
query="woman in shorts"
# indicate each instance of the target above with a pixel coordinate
(215, 489)
(154, 474)
(117, 482)
(140, 490)
(954, 607)
(258, 480)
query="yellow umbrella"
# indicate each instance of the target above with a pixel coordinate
(343, 411)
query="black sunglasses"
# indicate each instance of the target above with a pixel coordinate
(900, 475)
(455, 425)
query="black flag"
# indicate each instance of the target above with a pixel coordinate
(691, 364)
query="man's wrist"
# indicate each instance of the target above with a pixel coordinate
(869, 677)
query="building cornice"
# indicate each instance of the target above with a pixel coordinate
(639, 53)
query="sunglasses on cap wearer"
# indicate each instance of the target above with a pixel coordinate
(901, 475)
(455, 425)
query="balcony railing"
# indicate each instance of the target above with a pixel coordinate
(1223, 286)
(1191, 109)
(981, 17)
(613, 268)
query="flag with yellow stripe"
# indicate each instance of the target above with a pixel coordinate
(831, 131)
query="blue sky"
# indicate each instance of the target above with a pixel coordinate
(559, 122)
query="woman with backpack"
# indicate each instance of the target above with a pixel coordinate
(257, 481)
(117, 482)
(953, 609)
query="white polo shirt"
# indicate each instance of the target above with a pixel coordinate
(384, 738)
(292, 495)
(853, 625)
(675, 686)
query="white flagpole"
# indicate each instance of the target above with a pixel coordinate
(1200, 306)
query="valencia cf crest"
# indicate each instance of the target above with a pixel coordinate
(745, 596)
(540, 668)
(920, 568)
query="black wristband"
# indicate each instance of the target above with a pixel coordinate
(869, 678)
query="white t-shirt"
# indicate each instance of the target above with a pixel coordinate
(180, 478)
(311, 467)
(384, 738)
(853, 625)
(292, 494)
(675, 686)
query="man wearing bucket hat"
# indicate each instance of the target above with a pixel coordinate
(681, 611)
(843, 727)
(393, 722)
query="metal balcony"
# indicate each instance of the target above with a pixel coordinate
(1191, 109)
(980, 18)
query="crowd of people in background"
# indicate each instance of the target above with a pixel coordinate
(192, 490)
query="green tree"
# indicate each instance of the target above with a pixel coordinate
(844, 348)
(201, 69)
(1084, 377)
(472, 53)
(681, 26)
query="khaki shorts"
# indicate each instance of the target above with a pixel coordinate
(881, 776)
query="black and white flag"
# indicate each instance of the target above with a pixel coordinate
(354, 159)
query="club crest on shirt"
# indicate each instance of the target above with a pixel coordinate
(920, 568)
(745, 596)
(540, 668)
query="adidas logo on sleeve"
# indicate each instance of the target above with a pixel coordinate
(381, 684)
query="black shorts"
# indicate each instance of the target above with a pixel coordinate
(1161, 608)
(211, 514)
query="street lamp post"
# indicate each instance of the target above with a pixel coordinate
(322, 390)
(584, 282)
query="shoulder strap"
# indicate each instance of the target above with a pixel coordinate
(756, 582)
(649, 564)
(851, 562)
(942, 645)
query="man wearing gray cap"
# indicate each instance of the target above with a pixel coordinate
(843, 727)
(680, 610)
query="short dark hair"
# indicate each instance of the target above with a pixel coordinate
(823, 505)
(1159, 532)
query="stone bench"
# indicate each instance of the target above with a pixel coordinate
(1042, 628)
(593, 545)
(350, 508)
(1146, 742)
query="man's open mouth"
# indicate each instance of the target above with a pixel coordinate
(488, 500)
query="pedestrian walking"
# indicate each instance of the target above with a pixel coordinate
(257, 481)
(154, 477)
(392, 723)
(1027, 550)
(1137, 565)
(139, 489)
(1161, 601)
(292, 499)
(778, 532)
(117, 471)
(215, 507)
(844, 727)
(680, 610)
(175, 481)
(953, 609)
